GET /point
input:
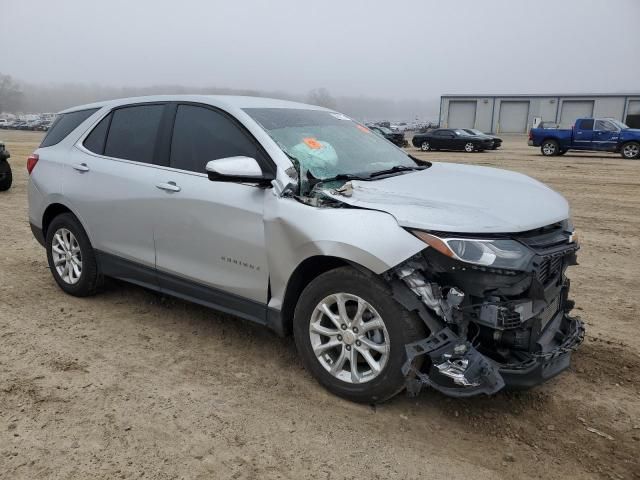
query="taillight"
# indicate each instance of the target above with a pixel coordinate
(530, 135)
(31, 162)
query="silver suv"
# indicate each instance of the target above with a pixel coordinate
(390, 272)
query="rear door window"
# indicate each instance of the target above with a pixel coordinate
(201, 134)
(133, 132)
(586, 124)
(64, 125)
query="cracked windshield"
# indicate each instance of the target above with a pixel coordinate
(329, 144)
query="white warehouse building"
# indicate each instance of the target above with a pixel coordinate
(517, 113)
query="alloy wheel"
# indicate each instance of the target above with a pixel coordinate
(349, 338)
(469, 147)
(425, 146)
(67, 257)
(549, 148)
(631, 151)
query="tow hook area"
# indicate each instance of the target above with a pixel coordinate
(455, 367)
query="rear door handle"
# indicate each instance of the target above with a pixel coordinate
(169, 187)
(81, 167)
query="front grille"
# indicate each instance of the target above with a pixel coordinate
(549, 312)
(549, 268)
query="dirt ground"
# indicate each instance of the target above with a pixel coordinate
(128, 384)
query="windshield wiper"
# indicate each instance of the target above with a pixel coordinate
(397, 168)
(342, 176)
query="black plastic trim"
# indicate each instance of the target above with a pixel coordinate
(176, 286)
(38, 234)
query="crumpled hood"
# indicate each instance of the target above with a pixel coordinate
(459, 198)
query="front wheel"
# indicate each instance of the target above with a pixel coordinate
(630, 150)
(351, 335)
(469, 147)
(6, 178)
(549, 148)
(425, 146)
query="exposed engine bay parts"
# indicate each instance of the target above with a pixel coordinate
(490, 326)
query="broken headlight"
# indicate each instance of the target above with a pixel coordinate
(497, 253)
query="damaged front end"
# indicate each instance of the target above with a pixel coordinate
(490, 326)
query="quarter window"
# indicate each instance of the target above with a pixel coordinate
(201, 134)
(96, 139)
(133, 132)
(64, 125)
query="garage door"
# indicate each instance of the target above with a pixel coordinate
(462, 114)
(513, 117)
(574, 109)
(633, 114)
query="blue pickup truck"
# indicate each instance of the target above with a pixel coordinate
(588, 134)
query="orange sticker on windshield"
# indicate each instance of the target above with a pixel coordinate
(312, 143)
(363, 129)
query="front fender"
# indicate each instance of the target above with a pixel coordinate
(295, 232)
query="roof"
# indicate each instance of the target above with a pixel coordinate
(228, 101)
(545, 95)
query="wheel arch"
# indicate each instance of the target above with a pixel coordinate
(55, 209)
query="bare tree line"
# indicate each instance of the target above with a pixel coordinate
(22, 97)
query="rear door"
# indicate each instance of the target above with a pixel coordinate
(605, 135)
(209, 237)
(583, 133)
(112, 185)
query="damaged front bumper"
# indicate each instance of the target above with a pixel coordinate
(457, 369)
(490, 328)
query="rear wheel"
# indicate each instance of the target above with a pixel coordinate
(351, 333)
(469, 147)
(71, 258)
(425, 146)
(549, 148)
(562, 152)
(630, 150)
(6, 178)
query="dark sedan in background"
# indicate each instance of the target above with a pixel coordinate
(451, 139)
(497, 141)
(397, 138)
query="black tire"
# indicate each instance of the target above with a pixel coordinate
(90, 278)
(425, 146)
(549, 148)
(6, 177)
(630, 150)
(402, 327)
(562, 152)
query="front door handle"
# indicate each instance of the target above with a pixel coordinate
(81, 167)
(169, 187)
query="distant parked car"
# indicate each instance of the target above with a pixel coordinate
(497, 141)
(4, 123)
(451, 139)
(397, 138)
(588, 134)
(5, 169)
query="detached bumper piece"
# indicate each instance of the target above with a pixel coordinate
(454, 367)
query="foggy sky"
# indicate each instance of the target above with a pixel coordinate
(390, 49)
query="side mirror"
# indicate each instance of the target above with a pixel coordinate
(237, 170)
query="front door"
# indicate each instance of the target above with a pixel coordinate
(209, 236)
(605, 135)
